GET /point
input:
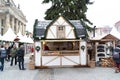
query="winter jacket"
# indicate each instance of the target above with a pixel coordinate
(117, 59)
(13, 52)
(3, 52)
(20, 54)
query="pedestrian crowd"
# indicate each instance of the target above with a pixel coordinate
(13, 55)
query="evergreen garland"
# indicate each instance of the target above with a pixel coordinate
(37, 48)
(83, 47)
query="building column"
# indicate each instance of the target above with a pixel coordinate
(16, 26)
(0, 26)
(12, 23)
(20, 27)
(24, 28)
(7, 22)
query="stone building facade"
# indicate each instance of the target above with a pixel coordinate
(11, 16)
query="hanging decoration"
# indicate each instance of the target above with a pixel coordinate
(83, 47)
(37, 48)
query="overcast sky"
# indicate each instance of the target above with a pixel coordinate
(101, 13)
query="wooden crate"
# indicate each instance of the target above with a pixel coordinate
(31, 65)
(92, 64)
(107, 62)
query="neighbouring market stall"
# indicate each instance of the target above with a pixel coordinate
(102, 48)
(59, 43)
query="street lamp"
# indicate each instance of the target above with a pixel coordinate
(94, 31)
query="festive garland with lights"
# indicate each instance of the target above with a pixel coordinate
(37, 48)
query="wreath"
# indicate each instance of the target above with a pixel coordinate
(37, 48)
(83, 47)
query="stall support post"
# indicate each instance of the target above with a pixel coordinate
(83, 53)
(38, 53)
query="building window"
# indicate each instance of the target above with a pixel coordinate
(60, 28)
(60, 32)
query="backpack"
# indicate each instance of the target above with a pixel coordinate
(3, 53)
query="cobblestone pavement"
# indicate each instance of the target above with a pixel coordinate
(13, 72)
(97, 73)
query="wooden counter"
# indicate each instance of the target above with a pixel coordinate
(61, 53)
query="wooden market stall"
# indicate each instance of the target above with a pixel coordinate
(58, 43)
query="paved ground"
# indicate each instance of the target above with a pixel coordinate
(98, 73)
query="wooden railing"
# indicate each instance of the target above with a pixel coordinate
(61, 53)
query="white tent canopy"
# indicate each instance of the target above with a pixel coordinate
(19, 34)
(21, 37)
(30, 40)
(1, 37)
(9, 35)
(25, 39)
(115, 33)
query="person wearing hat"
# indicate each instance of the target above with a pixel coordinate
(20, 55)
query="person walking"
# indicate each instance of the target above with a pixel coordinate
(20, 55)
(3, 55)
(8, 53)
(116, 58)
(13, 54)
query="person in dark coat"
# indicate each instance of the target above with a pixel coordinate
(3, 55)
(20, 55)
(8, 52)
(116, 58)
